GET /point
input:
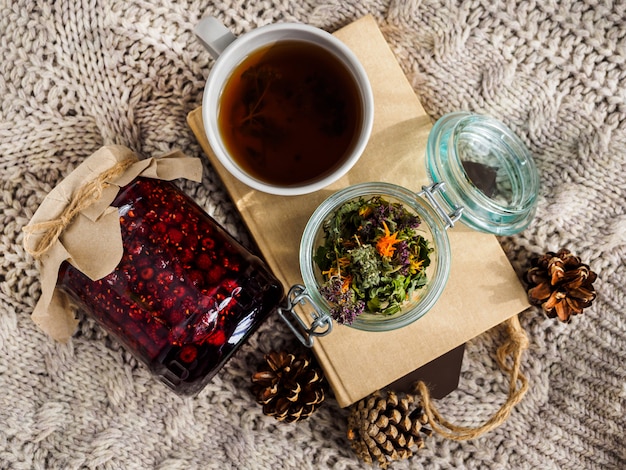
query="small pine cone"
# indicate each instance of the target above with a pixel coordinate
(384, 428)
(561, 284)
(289, 387)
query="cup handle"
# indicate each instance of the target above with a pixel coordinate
(213, 35)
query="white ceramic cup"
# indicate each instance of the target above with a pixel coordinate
(229, 51)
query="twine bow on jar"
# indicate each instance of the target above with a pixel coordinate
(85, 196)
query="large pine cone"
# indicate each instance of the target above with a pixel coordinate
(561, 284)
(289, 387)
(384, 428)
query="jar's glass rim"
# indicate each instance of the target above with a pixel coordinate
(461, 138)
(429, 218)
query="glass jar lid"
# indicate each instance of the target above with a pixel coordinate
(487, 170)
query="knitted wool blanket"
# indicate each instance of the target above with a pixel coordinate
(76, 75)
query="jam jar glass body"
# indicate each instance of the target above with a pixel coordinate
(185, 294)
(431, 228)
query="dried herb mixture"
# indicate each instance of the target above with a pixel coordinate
(373, 258)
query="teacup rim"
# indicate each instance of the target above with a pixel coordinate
(347, 56)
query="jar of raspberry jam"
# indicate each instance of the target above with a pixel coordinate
(185, 294)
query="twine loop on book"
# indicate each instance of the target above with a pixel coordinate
(515, 345)
(84, 197)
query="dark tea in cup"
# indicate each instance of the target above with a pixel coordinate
(290, 113)
(287, 108)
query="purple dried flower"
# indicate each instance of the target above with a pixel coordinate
(394, 213)
(346, 313)
(381, 214)
(412, 222)
(345, 307)
(402, 256)
(332, 290)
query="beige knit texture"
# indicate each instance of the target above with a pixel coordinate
(78, 74)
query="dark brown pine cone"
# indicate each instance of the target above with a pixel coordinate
(384, 427)
(561, 284)
(290, 387)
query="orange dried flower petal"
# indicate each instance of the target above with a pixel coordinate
(385, 245)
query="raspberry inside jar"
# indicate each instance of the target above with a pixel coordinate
(185, 294)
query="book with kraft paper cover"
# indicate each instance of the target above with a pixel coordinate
(357, 363)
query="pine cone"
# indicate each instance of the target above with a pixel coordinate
(289, 387)
(382, 427)
(560, 284)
